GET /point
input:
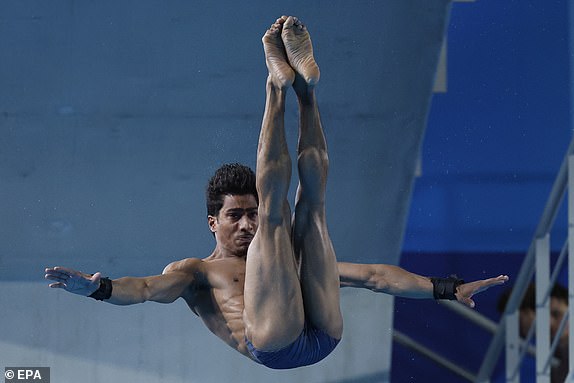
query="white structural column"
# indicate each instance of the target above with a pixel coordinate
(542, 308)
(571, 201)
(512, 348)
(571, 259)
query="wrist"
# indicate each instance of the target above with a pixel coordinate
(104, 291)
(446, 288)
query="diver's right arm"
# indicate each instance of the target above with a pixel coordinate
(165, 288)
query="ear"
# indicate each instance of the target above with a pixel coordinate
(212, 223)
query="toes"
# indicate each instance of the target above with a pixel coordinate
(297, 23)
(289, 22)
(273, 30)
(292, 22)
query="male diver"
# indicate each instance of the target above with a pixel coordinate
(270, 289)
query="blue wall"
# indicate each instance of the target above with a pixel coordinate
(493, 146)
(495, 140)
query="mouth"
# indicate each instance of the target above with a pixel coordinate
(245, 238)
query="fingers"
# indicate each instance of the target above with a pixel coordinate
(499, 279)
(496, 281)
(467, 290)
(69, 279)
(60, 279)
(59, 272)
(465, 300)
(67, 271)
(469, 302)
(55, 275)
(64, 272)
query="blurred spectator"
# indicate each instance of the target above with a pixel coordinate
(558, 307)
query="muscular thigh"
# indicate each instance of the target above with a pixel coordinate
(274, 312)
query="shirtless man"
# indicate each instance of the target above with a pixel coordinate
(270, 289)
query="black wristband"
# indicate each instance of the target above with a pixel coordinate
(445, 288)
(105, 290)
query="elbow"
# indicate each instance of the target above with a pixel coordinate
(379, 283)
(381, 286)
(150, 294)
(146, 293)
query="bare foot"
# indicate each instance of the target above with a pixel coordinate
(280, 72)
(299, 50)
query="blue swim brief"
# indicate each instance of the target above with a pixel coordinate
(310, 347)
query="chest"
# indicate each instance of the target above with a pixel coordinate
(222, 291)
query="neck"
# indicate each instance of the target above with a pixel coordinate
(222, 253)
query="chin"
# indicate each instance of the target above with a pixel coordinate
(243, 246)
(242, 251)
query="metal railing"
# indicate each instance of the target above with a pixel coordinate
(505, 333)
(538, 255)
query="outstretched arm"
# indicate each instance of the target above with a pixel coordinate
(176, 279)
(399, 282)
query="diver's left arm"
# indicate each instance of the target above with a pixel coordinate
(397, 281)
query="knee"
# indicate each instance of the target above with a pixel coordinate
(273, 214)
(272, 191)
(313, 157)
(273, 175)
(313, 164)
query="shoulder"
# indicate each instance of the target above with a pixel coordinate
(188, 265)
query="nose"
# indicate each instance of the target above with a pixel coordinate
(246, 224)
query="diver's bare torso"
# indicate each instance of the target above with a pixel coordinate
(216, 296)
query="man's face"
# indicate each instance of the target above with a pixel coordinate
(236, 224)
(526, 321)
(557, 310)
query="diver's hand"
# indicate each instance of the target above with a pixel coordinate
(72, 280)
(465, 291)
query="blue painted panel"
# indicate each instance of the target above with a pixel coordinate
(496, 139)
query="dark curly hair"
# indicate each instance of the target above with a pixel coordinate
(235, 179)
(529, 300)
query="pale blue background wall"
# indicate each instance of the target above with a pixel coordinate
(113, 115)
